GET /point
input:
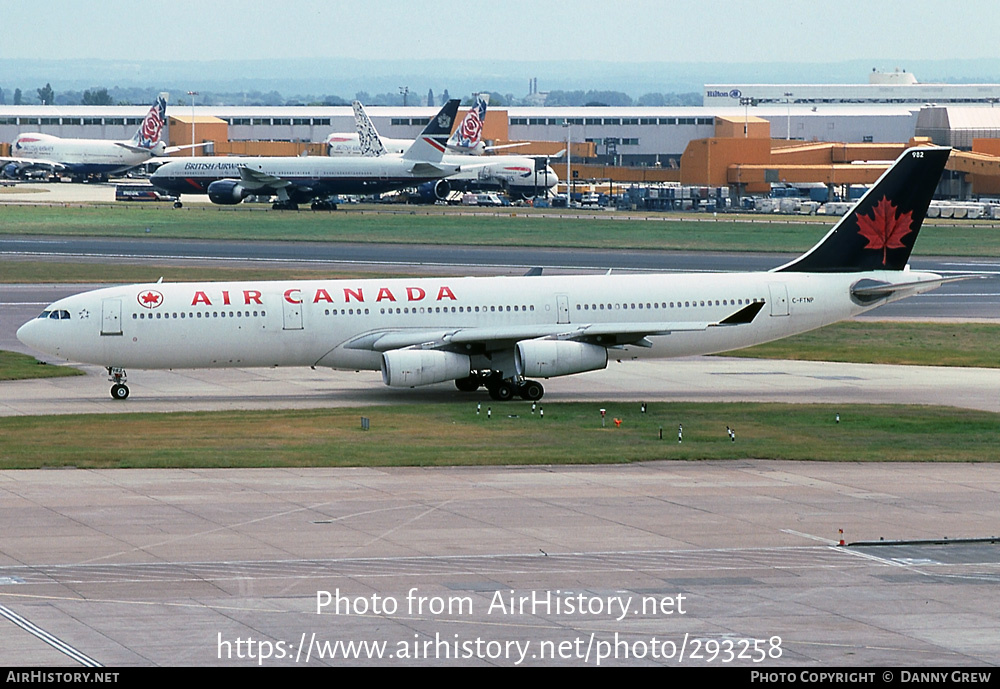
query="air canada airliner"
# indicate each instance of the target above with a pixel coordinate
(501, 333)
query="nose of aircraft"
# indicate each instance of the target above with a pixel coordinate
(30, 334)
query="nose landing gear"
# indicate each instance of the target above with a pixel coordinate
(119, 390)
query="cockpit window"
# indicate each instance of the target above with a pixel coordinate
(58, 314)
(43, 314)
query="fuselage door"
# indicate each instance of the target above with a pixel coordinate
(562, 308)
(111, 317)
(292, 315)
(779, 298)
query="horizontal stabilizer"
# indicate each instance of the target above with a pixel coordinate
(429, 170)
(130, 147)
(871, 290)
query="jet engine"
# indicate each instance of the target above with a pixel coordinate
(550, 358)
(407, 368)
(226, 192)
(441, 189)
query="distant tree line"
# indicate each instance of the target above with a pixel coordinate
(139, 96)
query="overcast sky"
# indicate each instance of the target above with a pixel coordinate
(530, 30)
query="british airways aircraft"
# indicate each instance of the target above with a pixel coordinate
(501, 332)
(467, 138)
(305, 179)
(85, 158)
(520, 176)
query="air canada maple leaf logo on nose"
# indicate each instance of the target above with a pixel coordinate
(884, 229)
(150, 299)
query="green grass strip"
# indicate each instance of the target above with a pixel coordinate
(880, 342)
(453, 434)
(420, 225)
(14, 366)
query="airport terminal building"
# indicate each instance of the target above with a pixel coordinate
(625, 136)
(891, 109)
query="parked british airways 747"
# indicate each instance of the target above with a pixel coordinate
(86, 158)
(502, 332)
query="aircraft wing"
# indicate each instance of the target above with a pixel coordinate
(258, 179)
(32, 162)
(605, 334)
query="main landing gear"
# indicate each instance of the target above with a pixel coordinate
(119, 390)
(284, 206)
(502, 389)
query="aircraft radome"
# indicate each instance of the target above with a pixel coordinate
(501, 333)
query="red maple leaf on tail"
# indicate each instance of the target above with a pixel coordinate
(884, 229)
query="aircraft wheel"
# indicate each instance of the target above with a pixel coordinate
(532, 390)
(502, 391)
(119, 391)
(178, 204)
(470, 384)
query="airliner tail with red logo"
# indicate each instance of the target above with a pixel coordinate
(83, 159)
(502, 333)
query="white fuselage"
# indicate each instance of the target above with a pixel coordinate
(349, 144)
(507, 171)
(500, 170)
(83, 156)
(349, 323)
(325, 175)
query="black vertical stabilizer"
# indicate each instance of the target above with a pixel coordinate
(431, 143)
(878, 234)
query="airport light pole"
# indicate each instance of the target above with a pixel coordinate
(746, 103)
(569, 163)
(194, 151)
(788, 117)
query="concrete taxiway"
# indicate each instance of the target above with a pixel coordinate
(661, 563)
(689, 379)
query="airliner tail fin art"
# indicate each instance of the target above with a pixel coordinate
(430, 146)
(148, 136)
(368, 139)
(468, 137)
(880, 231)
(502, 333)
